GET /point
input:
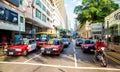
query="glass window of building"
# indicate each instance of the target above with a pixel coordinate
(48, 12)
(38, 3)
(21, 2)
(43, 18)
(38, 14)
(44, 8)
(44, 1)
(21, 19)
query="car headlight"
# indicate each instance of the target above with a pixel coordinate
(18, 50)
(86, 47)
(42, 48)
(55, 49)
(66, 42)
(5, 49)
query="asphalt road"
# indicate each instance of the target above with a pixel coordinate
(72, 59)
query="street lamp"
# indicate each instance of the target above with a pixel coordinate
(107, 33)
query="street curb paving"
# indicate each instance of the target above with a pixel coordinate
(113, 59)
(1, 57)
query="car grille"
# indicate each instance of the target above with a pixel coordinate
(91, 47)
(11, 50)
(48, 49)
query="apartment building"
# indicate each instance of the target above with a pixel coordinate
(61, 7)
(28, 17)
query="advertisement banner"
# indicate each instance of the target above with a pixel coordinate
(8, 15)
(11, 16)
(2, 13)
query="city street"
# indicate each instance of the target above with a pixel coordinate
(72, 59)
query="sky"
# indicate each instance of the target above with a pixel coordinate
(70, 5)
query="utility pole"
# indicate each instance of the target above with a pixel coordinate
(107, 34)
(32, 5)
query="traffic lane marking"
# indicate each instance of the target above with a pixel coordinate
(54, 60)
(73, 47)
(59, 66)
(32, 58)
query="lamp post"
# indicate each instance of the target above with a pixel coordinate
(107, 34)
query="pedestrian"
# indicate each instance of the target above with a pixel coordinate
(3, 41)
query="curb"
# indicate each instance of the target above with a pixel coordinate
(113, 59)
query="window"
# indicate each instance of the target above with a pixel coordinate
(21, 2)
(38, 14)
(21, 19)
(48, 12)
(43, 18)
(38, 3)
(44, 8)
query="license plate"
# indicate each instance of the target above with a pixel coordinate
(91, 50)
(10, 53)
(42, 50)
(48, 52)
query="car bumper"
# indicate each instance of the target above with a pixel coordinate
(91, 49)
(78, 44)
(51, 52)
(14, 53)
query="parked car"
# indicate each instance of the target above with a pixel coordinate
(22, 48)
(88, 46)
(79, 41)
(66, 42)
(54, 46)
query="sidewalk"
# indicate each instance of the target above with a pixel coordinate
(1, 52)
(114, 56)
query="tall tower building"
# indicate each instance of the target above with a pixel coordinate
(61, 7)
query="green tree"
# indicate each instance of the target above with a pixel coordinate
(94, 10)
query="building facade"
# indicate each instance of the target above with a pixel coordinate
(61, 7)
(85, 31)
(12, 19)
(112, 26)
(96, 30)
(21, 17)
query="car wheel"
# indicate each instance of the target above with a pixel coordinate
(84, 51)
(25, 52)
(58, 55)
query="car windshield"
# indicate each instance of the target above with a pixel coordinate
(65, 40)
(54, 42)
(79, 39)
(89, 42)
(41, 37)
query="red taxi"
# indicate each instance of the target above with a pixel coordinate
(54, 46)
(88, 46)
(22, 48)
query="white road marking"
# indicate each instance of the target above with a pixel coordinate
(59, 66)
(32, 58)
(75, 56)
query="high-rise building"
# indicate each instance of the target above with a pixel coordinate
(21, 17)
(61, 7)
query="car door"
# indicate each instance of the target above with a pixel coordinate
(32, 45)
(61, 45)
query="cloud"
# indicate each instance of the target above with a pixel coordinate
(74, 0)
(79, 3)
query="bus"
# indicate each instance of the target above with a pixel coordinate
(43, 37)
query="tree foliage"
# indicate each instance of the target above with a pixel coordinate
(94, 10)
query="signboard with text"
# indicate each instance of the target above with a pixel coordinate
(8, 15)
